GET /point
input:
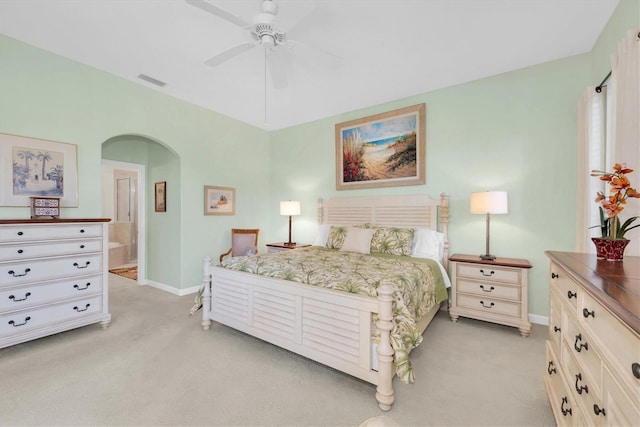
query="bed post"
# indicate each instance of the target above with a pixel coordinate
(384, 391)
(206, 294)
(444, 222)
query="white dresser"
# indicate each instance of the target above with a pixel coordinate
(53, 277)
(592, 373)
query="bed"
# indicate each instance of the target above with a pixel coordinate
(361, 332)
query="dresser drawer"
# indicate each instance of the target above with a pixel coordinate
(564, 407)
(621, 345)
(489, 305)
(488, 272)
(567, 287)
(581, 347)
(37, 294)
(584, 389)
(24, 233)
(489, 289)
(13, 273)
(622, 408)
(29, 319)
(33, 250)
(555, 320)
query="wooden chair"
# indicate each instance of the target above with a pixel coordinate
(244, 241)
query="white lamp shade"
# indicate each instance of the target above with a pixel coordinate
(493, 202)
(289, 208)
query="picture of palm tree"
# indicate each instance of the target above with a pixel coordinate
(37, 172)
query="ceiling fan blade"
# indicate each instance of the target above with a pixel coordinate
(230, 53)
(279, 64)
(208, 7)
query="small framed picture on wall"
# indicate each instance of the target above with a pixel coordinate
(161, 196)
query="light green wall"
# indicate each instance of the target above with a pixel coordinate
(46, 96)
(513, 132)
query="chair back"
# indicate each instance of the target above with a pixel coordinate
(244, 241)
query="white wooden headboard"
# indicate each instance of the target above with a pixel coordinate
(417, 210)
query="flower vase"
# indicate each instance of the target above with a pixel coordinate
(610, 249)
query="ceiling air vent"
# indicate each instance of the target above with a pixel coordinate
(151, 80)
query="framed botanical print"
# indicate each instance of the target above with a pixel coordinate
(161, 196)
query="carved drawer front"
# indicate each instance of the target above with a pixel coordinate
(35, 294)
(555, 320)
(584, 388)
(488, 305)
(21, 321)
(488, 272)
(49, 268)
(568, 289)
(22, 233)
(562, 403)
(490, 289)
(34, 250)
(582, 348)
(620, 344)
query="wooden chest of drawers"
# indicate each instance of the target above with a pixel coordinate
(53, 277)
(494, 291)
(593, 351)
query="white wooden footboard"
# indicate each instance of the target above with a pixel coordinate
(330, 327)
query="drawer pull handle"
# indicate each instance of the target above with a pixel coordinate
(551, 369)
(554, 275)
(598, 411)
(635, 368)
(484, 290)
(581, 346)
(586, 313)
(572, 294)
(81, 246)
(79, 310)
(556, 329)
(13, 297)
(20, 233)
(82, 230)
(582, 388)
(491, 273)
(13, 273)
(20, 251)
(76, 265)
(78, 288)
(16, 325)
(567, 411)
(487, 306)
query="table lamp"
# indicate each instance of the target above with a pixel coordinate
(489, 202)
(290, 208)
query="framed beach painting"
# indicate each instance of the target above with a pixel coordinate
(37, 167)
(384, 150)
(219, 200)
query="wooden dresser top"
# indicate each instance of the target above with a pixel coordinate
(615, 284)
(52, 221)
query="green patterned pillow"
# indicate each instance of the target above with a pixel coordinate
(336, 237)
(392, 240)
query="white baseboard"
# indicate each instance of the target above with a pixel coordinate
(539, 320)
(171, 289)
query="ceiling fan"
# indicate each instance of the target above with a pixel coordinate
(264, 32)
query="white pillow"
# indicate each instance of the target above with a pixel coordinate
(427, 243)
(358, 240)
(323, 235)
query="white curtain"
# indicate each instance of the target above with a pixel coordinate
(624, 127)
(590, 156)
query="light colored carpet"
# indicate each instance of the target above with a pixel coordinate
(155, 366)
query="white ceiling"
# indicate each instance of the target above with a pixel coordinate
(387, 49)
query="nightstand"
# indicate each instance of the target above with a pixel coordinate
(490, 290)
(279, 247)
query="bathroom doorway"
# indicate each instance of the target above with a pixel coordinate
(123, 202)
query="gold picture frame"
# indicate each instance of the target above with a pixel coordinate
(383, 150)
(219, 200)
(161, 196)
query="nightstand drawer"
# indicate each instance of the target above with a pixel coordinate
(489, 272)
(489, 305)
(489, 289)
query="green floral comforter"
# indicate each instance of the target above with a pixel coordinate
(418, 285)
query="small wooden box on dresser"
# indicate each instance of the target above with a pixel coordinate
(490, 290)
(592, 372)
(53, 277)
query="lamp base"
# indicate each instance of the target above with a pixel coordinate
(488, 257)
(289, 243)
